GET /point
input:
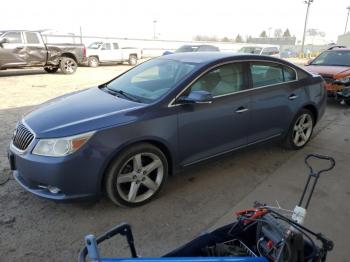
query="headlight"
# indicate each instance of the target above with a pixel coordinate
(64, 146)
(343, 80)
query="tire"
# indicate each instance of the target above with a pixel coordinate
(347, 101)
(68, 65)
(93, 61)
(300, 131)
(51, 69)
(127, 181)
(132, 60)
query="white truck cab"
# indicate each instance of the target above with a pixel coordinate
(110, 52)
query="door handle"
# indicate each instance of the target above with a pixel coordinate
(292, 97)
(241, 109)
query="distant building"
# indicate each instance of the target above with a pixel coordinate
(344, 39)
(272, 40)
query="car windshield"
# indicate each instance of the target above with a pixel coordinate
(95, 45)
(250, 50)
(333, 58)
(150, 80)
(187, 48)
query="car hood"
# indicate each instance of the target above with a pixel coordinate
(334, 71)
(80, 112)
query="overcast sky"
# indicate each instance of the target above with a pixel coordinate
(181, 19)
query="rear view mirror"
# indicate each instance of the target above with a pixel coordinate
(196, 97)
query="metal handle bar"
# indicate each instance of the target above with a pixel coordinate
(123, 229)
(318, 156)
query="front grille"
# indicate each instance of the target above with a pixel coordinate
(22, 137)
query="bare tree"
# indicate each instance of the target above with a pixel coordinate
(278, 32)
(238, 39)
(286, 33)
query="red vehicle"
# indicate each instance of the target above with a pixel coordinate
(334, 66)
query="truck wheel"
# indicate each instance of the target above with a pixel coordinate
(93, 61)
(68, 65)
(136, 176)
(50, 69)
(132, 60)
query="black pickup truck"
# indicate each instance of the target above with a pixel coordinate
(20, 49)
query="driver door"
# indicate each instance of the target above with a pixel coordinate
(210, 129)
(12, 53)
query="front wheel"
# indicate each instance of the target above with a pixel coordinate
(137, 175)
(132, 60)
(51, 69)
(68, 65)
(300, 132)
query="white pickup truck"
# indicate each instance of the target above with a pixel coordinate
(110, 52)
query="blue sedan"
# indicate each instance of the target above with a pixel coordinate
(125, 137)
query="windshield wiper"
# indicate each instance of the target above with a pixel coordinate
(121, 93)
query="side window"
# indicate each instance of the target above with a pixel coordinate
(224, 80)
(14, 37)
(115, 46)
(289, 74)
(32, 38)
(264, 74)
(106, 46)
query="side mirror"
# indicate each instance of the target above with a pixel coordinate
(196, 97)
(4, 41)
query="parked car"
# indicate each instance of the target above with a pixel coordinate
(261, 50)
(194, 48)
(126, 136)
(288, 53)
(20, 49)
(334, 66)
(111, 52)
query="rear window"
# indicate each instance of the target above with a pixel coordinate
(265, 74)
(32, 38)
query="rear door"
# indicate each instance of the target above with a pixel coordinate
(35, 49)
(275, 96)
(13, 54)
(206, 130)
(117, 54)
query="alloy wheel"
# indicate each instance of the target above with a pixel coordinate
(140, 177)
(302, 130)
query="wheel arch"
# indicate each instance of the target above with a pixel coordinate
(312, 108)
(70, 55)
(153, 141)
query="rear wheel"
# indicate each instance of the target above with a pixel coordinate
(68, 65)
(300, 131)
(132, 60)
(137, 175)
(93, 61)
(51, 69)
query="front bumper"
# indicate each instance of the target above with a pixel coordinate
(339, 92)
(77, 175)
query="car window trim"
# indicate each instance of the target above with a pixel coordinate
(172, 102)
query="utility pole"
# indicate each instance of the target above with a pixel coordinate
(308, 2)
(347, 18)
(154, 29)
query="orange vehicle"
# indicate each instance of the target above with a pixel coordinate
(334, 66)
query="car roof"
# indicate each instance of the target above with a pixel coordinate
(338, 49)
(209, 57)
